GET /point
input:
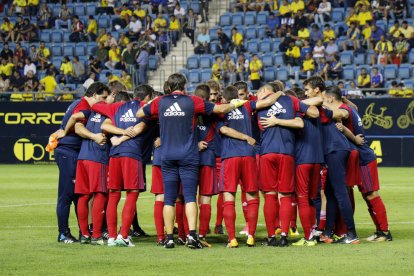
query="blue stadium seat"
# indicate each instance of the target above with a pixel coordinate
(192, 62)
(45, 36)
(279, 59)
(80, 50)
(250, 33)
(266, 46)
(104, 22)
(57, 61)
(252, 46)
(359, 58)
(102, 78)
(346, 57)
(382, 24)
(369, 55)
(390, 71)
(261, 18)
(261, 32)
(205, 75)
(213, 47)
(184, 71)
(349, 73)
(56, 51)
(68, 50)
(275, 45)
(79, 10)
(282, 74)
(213, 33)
(225, 20)
(237, 19)
(205, 61)
(56, 10)
(267, 59)
(404, 72)
(269, 74)
(337, 15)
(194, 76)
(57, 37)
(91, 47)
(153, 62)
(90, 9)
(66, 36)
(249, 19)
(409, 83)
(195, 5)
(411, 56)
(227, 31)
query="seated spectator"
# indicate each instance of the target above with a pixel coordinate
(160, 23)
(376, 33)
(20, 97)
(308, 66)
(292, 55)
(377, 81)
(106, 7)
(6, 68)
(29, 66)
(66, 95)
(406, 30)
(139, 11)
(341, 86)
(395, 31)
(89, 81)
(6, 53)
(328, 33)
(32, 80)
(364, 79)
(352, 17)
(102, 37)
(255, 67)
(352, 35)
(18, 27)
(284, 44)
(95, 66)
(323, 69)
(401, 50)
(335, 68)
(6, 30)
(306, 48)
(44, 17)
(111, 77)
(43, 55)
(114, 55)
(163, 42)
(310, 9)
(224, 42)
(242, 68)
(364, 16)
(27, 31)
(158, 6)
(79, 71)
(64, 18)
(229, 70)
(203, 42)
(318, 51)
(16, 82)
(394, 90)
(398, 9)
(174, 29)
(383, 52)
(91, 31)
(303, 34)
(190, 23)
(300, 21)
(331, 50)
(77, 30)
(366, 35)
(315, 34)
(19, 53)
(110, 41)
(353, 92)
(284, 12)
(4, 86)
(179, 12)
(217, 72)
(123, 20)
(126, 80)
(66, 70)
(297, 5)
(237, 40)
(142, 61)
(123, 40)
(256, 6)
(272, 23)
(134, 28)
(407, 91)
(323, 13)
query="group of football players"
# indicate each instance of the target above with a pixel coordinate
(303, 149)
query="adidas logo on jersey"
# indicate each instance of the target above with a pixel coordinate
(128, 117)
(202, 128)
(97, 118)
(174, 110)
(276, 108)
(235, 115)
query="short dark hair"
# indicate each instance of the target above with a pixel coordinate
(241, 85)
(291, 92)
(334, 91)
(176, 82)
(202, 91)
(122, 96)
(277, 85)
(116, 86)
(300, 93)
(315, 82)
(96, 88)
(142, 91)
(230, 93)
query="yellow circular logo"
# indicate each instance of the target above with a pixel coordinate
(24, 150)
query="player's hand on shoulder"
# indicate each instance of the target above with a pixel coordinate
(268, 121)
(60, 133)
(359, 139)
(237, 103)
(157, 142)
(340, 127)
(202, 145)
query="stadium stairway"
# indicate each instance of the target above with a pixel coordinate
(177, 57)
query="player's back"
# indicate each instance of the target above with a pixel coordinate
(333, 139)
(308, 147)
(206, 129)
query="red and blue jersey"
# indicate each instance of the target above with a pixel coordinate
(72, 140)
(90, 150)
(206, 126)
(156, 157)
(177, 114)
(239, 119)
(308, 148)
(150, 134)
(354, 124)
(333, 139)
(122, 115)
(279, 139)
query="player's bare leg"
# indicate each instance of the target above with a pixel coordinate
(229, 214)
(252, 215)
(245, 230)
(205, 216)
(378, 214)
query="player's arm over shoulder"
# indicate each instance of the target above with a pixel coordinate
(232, 133)
(108, 127)
(269, 100)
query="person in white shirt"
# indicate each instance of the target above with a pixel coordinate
(134, 27)
(29, 66)
(89, 81)
(179, 12)
(323, 11)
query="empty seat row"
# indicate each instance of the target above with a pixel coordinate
(389, 72)
(238, 19)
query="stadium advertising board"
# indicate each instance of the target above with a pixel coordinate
(25, 128)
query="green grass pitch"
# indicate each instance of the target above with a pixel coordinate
(28, 235)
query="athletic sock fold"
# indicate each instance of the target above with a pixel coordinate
(229, 214)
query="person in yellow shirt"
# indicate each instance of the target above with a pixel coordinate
(122, 21)
(308, 65)
(352, 17)
(352, 35)
(364, 79)
(92, 29)
(408, 92)
(139, 12)
(32, 6)
(255, 67)
(160, 23)
(366, 34)
(114, 57)
(292, 55)
(66, 69)
(111, 77)
(126, 80)
(6, 30)
(407, 30)
(123, 40)
(17, 7)
(328, 33)
(6, 68)
(394, 89)
(383, 52)
(43, 55)
(23, 97)
(297, 5)
(48, 86)
(217, 70)
(103, 37)
(174, 29)
(364, 16)
(395, 30)
(284, 12)
(303, 34)
(237, 39)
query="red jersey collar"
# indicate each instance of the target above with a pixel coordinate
(178, 92)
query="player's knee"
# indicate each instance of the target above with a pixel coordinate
(159, 197)
(371, 195)
(205, 199)
(285, 194)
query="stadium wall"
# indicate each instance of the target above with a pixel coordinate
(25, 127)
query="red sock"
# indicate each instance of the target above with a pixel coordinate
(244, 206)
(269, 210)
(380, 213)
(306, 214)
(294, 213)
(112, 213)
(322, 220)
(159, 219)
(98, 214)
(285, 213)
(128, 213)
(219, 218)
(373, 217)
(179, 210)
(229, 214)
(83, 212)
(252, 214)
(205, 216)
(277, 221)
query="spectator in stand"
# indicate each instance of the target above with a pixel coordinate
(242, 68)
(64, 18)
(20, 97)
(17, 7)
(6, 30)
(323, 69)
(79, 71)
(111, 77)
(4, 86)
(114, 55)
(308, 66)
(341, 86)
(190, 23)
(6, 53)
(123, 20)
(297, 5)
(401, 50)
(27, 32)
(377, 81)
(395, 31)
(32, 6)
(126, 80)
(18, 27)
(237, 40)
(77, 30)
(398, 9)
(179, 12)
(203, 42)
(366, 35)
(29, 66)
(217, 72)
(300, 22)
(95, 66)
(335, 68)
(48, 86)
(318, 51)
(323, 13)
(134, 28)
(364, 16)
(160, 23)
(204, 10)
(379, 9)
(310, 9)
(328, 33)
(19, 53)
(158, 6)
(224, 42)
(376, 33)
(406, 30)
(364, 79)
(315, 34)
(174, 29)
(102, 37)
(43, 55)
(284, 44)
(163, 43)
(123, 40)
(92, 30)
(101, 54)
(303, 34)
(110, 41)
(44, 17)
(284, 12)
(383, 52)
(292, 55)
(255, 67)
(407, 92)
(16, 82)
(229, 70)
(139, 11)
(89, 81)
(306, 48)
(142, 61)
(353, 92)
(352, 35)
(6, 68)
(147, 23)
(31, 80)
(331, 50)
(107, 7)
(66, 70)
(272, 24)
